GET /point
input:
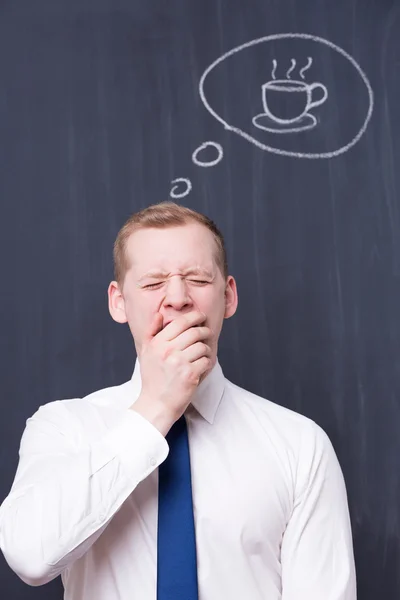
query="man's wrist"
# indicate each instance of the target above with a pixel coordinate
(155, 412)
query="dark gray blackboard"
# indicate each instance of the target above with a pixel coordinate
(100, 110)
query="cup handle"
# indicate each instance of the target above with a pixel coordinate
(312, 87)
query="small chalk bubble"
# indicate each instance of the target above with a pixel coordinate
(185, 188)
(208, 163)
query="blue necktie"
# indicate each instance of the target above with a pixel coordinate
(176, 544)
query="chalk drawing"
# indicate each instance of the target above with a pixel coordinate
(275, 89)
(274, 65)
(308, 65)
(174, 193)
(208, 163)
(184, 184)
(280, 87)
(292, 67)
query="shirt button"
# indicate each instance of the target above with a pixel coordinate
(153, 461)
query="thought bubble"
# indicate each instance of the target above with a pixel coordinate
(208, 163)
(262, 129)
(187, 186)
(301, 85)
(177, 183)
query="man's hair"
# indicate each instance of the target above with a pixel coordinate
(161, 216)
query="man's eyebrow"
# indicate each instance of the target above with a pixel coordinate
(198, 271)
(159, 274)
(154, 274)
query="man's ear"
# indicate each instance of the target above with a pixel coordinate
(231, 297)
(116, 303)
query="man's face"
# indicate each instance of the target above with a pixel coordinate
(172, 271)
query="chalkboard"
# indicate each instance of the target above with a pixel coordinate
(280, 121)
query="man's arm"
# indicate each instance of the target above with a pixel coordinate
(317, 550)
(66, 491)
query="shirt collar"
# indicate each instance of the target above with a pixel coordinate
(207, 396)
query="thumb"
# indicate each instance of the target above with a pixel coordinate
(155, 326)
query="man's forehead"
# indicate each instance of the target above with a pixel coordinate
(165, 254)
(184, 231)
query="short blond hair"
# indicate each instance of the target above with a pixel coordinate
(162, 215)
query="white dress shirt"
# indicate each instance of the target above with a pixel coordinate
(269, 499)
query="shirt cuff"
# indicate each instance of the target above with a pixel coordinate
(139, 446)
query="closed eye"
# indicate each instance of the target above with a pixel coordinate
(150, 286)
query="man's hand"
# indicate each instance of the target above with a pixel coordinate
(172, 361)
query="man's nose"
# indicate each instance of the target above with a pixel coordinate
(177, 294)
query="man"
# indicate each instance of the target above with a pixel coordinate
(268, 504)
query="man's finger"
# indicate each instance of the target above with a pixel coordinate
(192, 336)
(181, 323)
(155, 327)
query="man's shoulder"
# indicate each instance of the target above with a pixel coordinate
(296, 439)
(117, 396)
(284, 421)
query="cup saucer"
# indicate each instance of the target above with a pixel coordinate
(264, 121)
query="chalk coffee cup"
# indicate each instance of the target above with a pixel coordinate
(294, 96)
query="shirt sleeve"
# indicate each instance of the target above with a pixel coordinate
(65, 493)
(317, 549)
